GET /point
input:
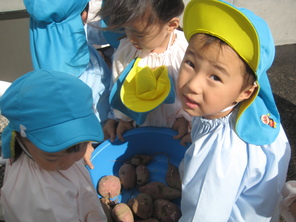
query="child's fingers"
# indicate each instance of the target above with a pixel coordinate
(89, 163)
(178, 136)
(87, 155)
(182, 131)
(185, 140)
(112, 137)
(119, 134)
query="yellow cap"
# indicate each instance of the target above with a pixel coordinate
(218, 19)
(144, 88)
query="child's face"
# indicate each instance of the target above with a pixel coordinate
(152, 38)
(54, 161)
(210, 79)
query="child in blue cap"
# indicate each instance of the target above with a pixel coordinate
(237, 163)
(51, 121)
(58, 42)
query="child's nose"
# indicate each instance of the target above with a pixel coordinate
(195, 84)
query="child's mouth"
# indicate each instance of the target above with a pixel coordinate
(190, 103)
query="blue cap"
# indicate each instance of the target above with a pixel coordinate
(54, 110)
(57, 35)
(258, 120)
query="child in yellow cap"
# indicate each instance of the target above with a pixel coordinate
(152, 35)
(237, 163)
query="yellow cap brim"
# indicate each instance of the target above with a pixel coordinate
(218, 18)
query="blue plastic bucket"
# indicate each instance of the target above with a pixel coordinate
(108, 157)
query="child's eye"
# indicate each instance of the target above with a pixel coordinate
(215, 78)
(189, 63)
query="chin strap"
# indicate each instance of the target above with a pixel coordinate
(228, 108)
(24, 148)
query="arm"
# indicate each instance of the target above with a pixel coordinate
(237, 179)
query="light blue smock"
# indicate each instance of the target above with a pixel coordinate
(226, 179)
(97, 76)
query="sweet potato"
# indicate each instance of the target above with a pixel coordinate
(166, 211)
(159, 190)
(122, 213)
(127, 176)
(109, 186)
(173, 178)
(107, 205)
(141, 205)
(140, 159)
(142, 175)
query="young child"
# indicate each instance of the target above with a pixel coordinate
(57, 28)
(237, 163)
(151, 35)
(51, 120)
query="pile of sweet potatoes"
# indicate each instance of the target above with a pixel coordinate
(154, 201)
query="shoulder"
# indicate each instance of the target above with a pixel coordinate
(125, 51)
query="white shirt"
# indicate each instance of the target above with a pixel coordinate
(30, 193)
(226, 179)
(165, 115)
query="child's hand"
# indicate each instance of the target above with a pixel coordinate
(181, 126)
(122, 127)
(110, 129)
(186, 139)
(87, 155)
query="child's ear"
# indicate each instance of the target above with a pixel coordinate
(174, 24)
(247, 93)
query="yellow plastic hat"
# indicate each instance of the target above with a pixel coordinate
(144, 88)
(227, 23)
(249, 35)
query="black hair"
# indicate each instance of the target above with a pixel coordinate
(76, 148)
(249, 75)
(118, 13)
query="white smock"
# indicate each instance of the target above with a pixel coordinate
(226, 179)
(30, 193)
(164, 115)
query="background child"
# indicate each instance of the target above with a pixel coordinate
(58, 42)
(51, 120)
(152, 35)
(237, 164)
